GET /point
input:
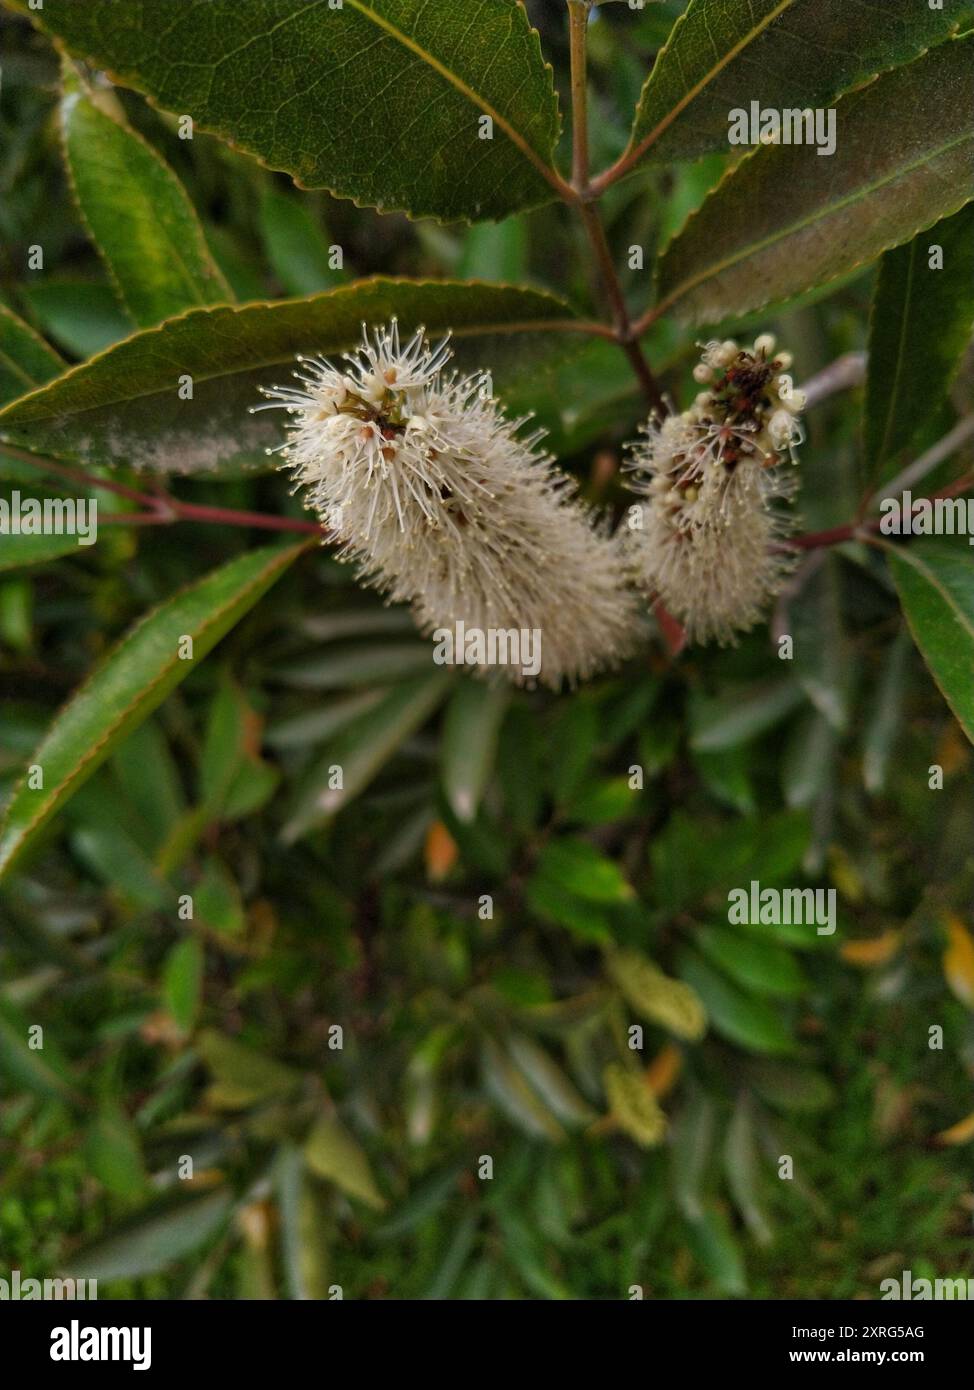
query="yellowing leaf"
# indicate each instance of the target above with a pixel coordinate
(332, 1153)
(873, 951)
(440, 852)
(960, 1133)
(663, 1070)
(959, 961)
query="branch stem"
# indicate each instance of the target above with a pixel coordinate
(577, 30)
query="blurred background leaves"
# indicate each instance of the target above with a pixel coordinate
(472, 1023)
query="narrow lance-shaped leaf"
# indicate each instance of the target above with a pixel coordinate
(332, 1153)
(298, 252)
(125, 404)
(786, 218)
(152, 1240)
(34, 549)
(140, 219)
(362, 749)
(923, 312)
(383, 101)
(129, 684)
(26, 361)
(470, 743)
(782, 54)
(935, 581)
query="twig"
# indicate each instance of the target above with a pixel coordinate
(937, 453)
(622, 330)
(162, 508)
(862, 529)
(577, 29)
(841, 375)
(620, 314)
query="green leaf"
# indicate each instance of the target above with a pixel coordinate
(140, 219)
(217, 900)
(356, 664)
(921, 324)
(81, 316)
(130, 683)
(26, 361)
(114, 1153)
(506, 1085)
(152, 1241)
(17, 551)
(223, 746)
(145, 769)
(935, 581)
(780, 53)
(39, 1069)
(103, 831)
(808, 764)
(886, 715)
(298, 252)
(124, 405)
(822, 660)
(742, 1167)
(751, 1023)
(379, 100)
(549, 1081)
(553, 903)
(726, 775)
(469, 743)
(182, 982)
(714, 1244)
(603, 801)
(785, 218)
(495, 251)
(362, 749)
(315, 725)
(304, 1228)
(579, 868)
(332, 1153)
(243, 1076)
(757, 965)
(739, 714)
(789, 1087)
(692, 859)
(574, 738)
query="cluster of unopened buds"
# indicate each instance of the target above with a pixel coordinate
(706, 541)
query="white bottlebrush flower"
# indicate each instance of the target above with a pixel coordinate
(440, 502)
(707, 540)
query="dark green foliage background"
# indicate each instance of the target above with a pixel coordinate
(462, 1036)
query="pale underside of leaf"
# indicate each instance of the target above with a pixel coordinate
(124, 406)
(787, 218)
(724, 54)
